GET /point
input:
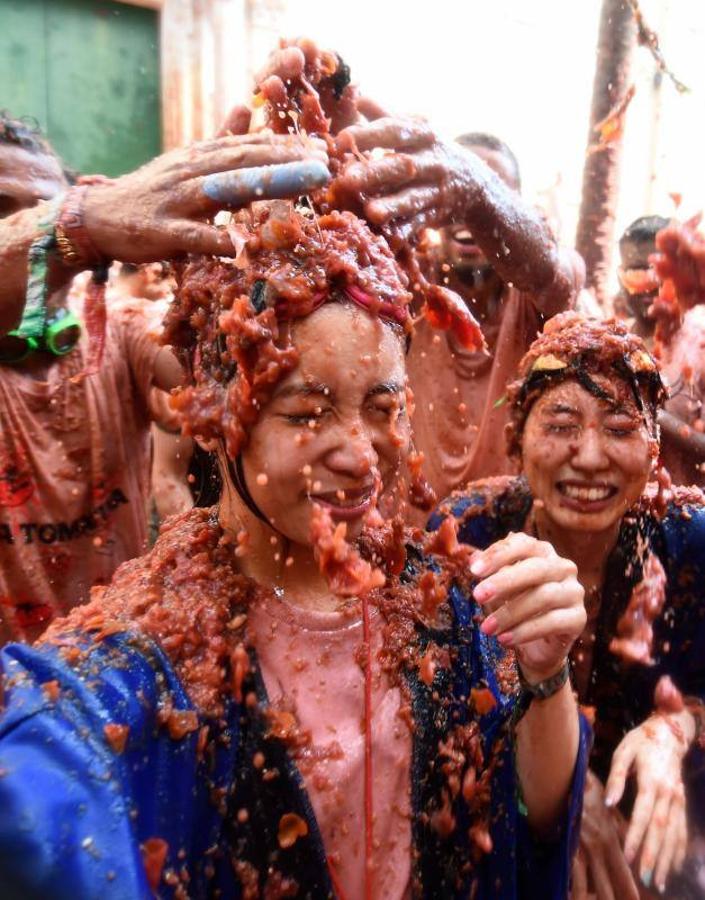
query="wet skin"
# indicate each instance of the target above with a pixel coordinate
(587, 460)
(472, 273)
(457, 246)
(334, 426)
(26, 178)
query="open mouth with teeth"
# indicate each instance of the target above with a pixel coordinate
(345, 505)
(586, 495)
(466, 242)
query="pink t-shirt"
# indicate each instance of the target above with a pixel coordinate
(309, 665)
(74, 476)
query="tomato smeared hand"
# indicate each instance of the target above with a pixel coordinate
(654, 753)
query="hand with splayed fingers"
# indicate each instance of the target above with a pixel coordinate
(600, 870)
(412, 180)
(163, 209)
(532, 601)
(658, 828)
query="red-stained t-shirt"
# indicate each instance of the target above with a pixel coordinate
(308, 661)
(74, 476)
(459, 416)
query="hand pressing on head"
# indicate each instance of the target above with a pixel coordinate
(532, 601)
(658, 829)
(161, 210)
(600, 869)
(411, 180)
(414, 180)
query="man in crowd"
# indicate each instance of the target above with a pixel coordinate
(682, 357)
(497, 253)
(147, 289)
(74, 443)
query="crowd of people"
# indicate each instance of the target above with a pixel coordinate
(348, 548)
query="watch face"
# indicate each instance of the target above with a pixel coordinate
(549, 686)
(62, 332)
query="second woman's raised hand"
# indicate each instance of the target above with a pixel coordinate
(532, 601)
(654, 752)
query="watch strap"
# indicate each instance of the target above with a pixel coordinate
(549, 686)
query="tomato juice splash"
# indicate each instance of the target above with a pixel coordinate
(679, 264)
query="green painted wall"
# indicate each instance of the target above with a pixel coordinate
(88, 71)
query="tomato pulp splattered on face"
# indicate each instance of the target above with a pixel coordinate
(587, 460)
(230, 323)
(335, 431)
(571, 345)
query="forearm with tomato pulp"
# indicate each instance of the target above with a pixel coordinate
(683, 435)
(517, 240)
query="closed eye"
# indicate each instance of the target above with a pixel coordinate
(304, 417)
(388, 407)
(561, 427)
(623, 431)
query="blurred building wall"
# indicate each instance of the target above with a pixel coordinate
(203, 54)
(87, 71)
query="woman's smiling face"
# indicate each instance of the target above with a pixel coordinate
(336, 429)
(587, 459)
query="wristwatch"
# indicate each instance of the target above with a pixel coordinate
(549, 686)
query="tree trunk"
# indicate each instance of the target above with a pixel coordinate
(594, 238)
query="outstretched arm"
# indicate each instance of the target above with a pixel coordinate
(658, 827)
(683, 436)
(416, 181)
(162, 210)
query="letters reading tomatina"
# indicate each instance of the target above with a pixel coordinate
(49, 532)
